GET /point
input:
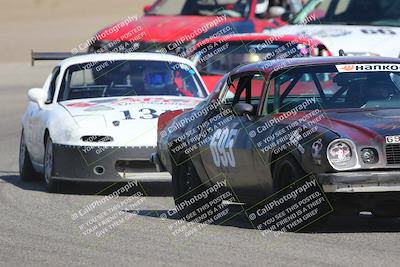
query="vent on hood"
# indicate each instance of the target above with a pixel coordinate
(97, 138)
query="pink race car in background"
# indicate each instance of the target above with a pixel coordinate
(216, 56)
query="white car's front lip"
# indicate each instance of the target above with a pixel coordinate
(84, 162)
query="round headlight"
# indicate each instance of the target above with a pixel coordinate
(340, 152)
(369, 155)
(341, 155)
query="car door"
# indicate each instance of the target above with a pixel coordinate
(231, 149)
(38, 118)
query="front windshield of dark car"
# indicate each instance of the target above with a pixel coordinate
(357, 12)
(219, 58)
(232, 8)
(354, 86)
(130, 78)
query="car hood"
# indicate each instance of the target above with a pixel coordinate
(362, 126)
(129, 120)
(114, 107)
(162, 29)
(357, 40)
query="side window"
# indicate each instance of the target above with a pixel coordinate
(229, 90)
(297, 90)
(247, 89)
(53, 83)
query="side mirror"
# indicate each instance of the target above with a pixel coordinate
(38, 96)
(146, 9)
(243, 109)
(287, 16)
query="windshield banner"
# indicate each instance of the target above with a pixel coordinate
(368, 67)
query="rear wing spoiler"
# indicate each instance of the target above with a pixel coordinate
(52, 55)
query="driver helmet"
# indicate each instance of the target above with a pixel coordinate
(156, 81)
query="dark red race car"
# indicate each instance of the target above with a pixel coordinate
(216, 56)
(300, 137)
(169, 24)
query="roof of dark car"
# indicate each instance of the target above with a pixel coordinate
(271, 65)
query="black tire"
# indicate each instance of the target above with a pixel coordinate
(52, 185)
(26, 171)
(286, 171)
(185, 184)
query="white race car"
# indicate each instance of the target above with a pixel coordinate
(359, 27)
(95, 119)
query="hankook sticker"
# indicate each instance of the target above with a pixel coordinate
(367, 67)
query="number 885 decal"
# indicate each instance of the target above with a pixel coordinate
(221, 147)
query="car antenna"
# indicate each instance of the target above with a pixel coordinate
(342, 53)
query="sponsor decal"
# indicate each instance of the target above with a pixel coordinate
(316, 148)
(378, 31)
(368, 67)
(81, 105)
(332, 33)
(325, 33)
(295, 139)
(99, 108)
(158, 101)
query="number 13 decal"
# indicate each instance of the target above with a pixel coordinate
(221, 146)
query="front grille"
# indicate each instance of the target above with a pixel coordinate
(132, 166)
(393, 154)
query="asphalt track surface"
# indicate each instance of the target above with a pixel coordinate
(38, 228)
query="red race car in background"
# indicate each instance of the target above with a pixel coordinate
(168, 25)
(216, 56)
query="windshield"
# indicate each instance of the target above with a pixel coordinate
(358, 86)
(130, 78)
(232, 8)
(221, 57)
(353, 12)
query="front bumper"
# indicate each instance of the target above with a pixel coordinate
(360, 182)
(105, 164)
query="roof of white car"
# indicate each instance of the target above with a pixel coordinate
(123, 56)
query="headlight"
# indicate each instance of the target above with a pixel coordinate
(369, 155)
(342, 155)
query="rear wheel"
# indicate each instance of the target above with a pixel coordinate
(26, 170)
(52, 185)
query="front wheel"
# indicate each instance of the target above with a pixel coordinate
(26, 170)
(286, 171)
(52, 185)
(186, 184)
